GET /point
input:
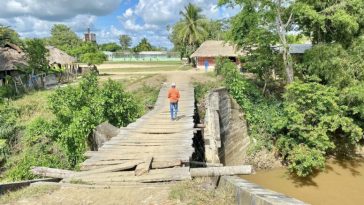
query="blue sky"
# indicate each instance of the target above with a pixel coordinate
(107, 18)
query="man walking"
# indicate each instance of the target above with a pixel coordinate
(173, 96)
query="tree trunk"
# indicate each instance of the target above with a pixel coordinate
(282, 33)
(52, 173)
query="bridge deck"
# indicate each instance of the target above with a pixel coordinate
(127, 157)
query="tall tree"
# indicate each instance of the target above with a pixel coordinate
(263, 23)
(125, 41)
(37, 56)
(64, 38)
(190, 31)
(327, 21)
(144, 45)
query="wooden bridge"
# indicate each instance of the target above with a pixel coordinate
(153, 149)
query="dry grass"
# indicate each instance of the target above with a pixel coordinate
(29, 192)
(201, 191)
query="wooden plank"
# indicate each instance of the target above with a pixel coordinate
(112, 168)
(160, 175)
(143, 168)
(166, 164)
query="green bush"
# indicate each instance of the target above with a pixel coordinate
(45, 154)
(80, 109)
(313, 119)
(260, 111)
(120, 107)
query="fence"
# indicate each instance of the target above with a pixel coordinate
(135, 57)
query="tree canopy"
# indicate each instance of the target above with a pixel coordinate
(328, 21)
(8, 35)
(64, 38)
(37, 56)
(112, 47)
(144, 45)
(125, 41)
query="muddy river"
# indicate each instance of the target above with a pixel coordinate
(342, 183)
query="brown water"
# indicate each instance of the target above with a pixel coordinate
(342, 183)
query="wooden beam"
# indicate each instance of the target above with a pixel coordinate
(221, 171)
(205, 164)
(51, 172)
(166, 164)
(143, 168)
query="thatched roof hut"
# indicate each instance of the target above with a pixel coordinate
(215, 49)
(11, 58)
(207, 53)
(57, 56)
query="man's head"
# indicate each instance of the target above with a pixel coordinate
(173, 85)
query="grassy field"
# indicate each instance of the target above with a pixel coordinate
(145, 62)
(146, 69)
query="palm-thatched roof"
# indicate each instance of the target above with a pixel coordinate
(57, 56)
(11, 58)
(217, 48)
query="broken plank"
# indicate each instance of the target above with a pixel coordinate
(112, 168)
(143, 168)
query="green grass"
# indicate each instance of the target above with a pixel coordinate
(32, 191)
(33, 105)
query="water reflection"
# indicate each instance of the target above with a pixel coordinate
(342, 182)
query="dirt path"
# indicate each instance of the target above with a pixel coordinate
(156, 122)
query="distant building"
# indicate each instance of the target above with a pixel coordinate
(210, 50)
(294, 49)
(90, 37)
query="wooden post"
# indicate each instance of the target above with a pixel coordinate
(221, 171)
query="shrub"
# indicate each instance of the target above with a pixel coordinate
(313, 119)
(260, 112)
(38, 148)
(80, 109)
(121, 107)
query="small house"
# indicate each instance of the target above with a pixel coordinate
(11, 59)
(59, 58)
(210, 50)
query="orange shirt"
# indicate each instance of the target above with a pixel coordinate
(173, 95)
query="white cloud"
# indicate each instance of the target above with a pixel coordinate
(128, 13)
(151, 18)
(56, 10)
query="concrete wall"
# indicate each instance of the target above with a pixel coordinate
(251, 194)
(226, 136)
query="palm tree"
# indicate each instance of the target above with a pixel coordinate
(192, 27)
